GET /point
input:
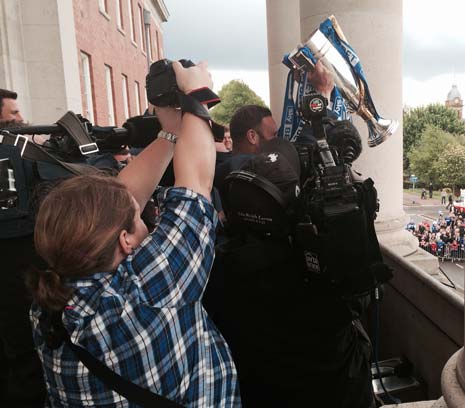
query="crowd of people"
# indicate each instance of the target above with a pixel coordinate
(154, 305)
(444, 237)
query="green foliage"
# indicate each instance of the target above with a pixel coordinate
(417, 119)
(233, 95)
(434, 143)
(451, 166)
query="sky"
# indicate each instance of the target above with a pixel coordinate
(234, 43)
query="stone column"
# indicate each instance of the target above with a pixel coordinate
(374, 29)
(13, 68)
(51, 56)
(39, 58)
(283, 22)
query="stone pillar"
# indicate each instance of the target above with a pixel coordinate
(13, 68)
(283, 22)
(39, 58)
(51, 56)
(374, 29)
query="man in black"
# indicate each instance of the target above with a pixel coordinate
(295, 341)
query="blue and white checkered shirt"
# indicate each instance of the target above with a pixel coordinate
(146, 321)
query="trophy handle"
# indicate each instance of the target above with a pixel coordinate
(337, 28)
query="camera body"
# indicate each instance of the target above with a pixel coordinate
(161, 82)
(325, 176)
(335, 231)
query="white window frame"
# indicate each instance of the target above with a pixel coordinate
(87, 84)
(131, 21)
(124, 84)
(141, 28)
(119, 14)
(137, 95)
(102, 5)
(110, 101)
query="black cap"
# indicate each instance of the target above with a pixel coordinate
(278, 163)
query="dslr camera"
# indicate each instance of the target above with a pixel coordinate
(161, 82)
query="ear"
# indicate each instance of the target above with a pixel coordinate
(252, 136)
(125, 243)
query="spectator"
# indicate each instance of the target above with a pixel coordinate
(450, 205)
(227, 140)
(430, 189)
(443, 196)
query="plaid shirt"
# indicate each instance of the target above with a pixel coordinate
(146, 321)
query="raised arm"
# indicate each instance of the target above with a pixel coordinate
(195, 153)
(142, 175)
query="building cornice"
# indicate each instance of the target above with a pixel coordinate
(162, 10)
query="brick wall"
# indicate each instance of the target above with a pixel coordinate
(98, 36)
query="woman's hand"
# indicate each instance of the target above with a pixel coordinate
(192, 78)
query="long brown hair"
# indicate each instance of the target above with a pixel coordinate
(76, 233)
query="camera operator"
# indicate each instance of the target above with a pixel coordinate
(20, 368)
(130, 298)
(9, 110)
(295, 340)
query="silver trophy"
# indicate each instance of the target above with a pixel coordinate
(352, 88)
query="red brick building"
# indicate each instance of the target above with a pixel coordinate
(87, 56)
(116, 40)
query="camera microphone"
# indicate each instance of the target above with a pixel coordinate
(344, 136)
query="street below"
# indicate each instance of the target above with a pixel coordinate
(428, 210)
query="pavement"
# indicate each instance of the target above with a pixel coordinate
(414, 200)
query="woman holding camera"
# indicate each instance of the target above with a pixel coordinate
(133, 299)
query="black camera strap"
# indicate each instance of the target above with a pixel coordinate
(34, 152)
(56, 333)
(75, 128)
(132, 392)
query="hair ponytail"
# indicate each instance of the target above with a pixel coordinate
(48, 289)
(77, 234)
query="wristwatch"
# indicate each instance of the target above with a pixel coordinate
(171, 137)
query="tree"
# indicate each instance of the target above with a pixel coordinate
(233, 95)
(431, 147)
(451, 166)
(416, 120)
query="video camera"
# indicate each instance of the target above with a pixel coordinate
(337, 207)
(73, 137)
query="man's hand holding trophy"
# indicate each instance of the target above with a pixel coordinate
(327, 51)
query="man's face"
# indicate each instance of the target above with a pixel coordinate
(268, 129)
(10, 111)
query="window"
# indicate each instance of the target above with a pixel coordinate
(88, 104)
(141, 27)
(119, 14)
(137, 95)
(102, 5)
(110, 103)
(124, 84)
(131, 21)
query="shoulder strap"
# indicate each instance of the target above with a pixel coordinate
(132, 392)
